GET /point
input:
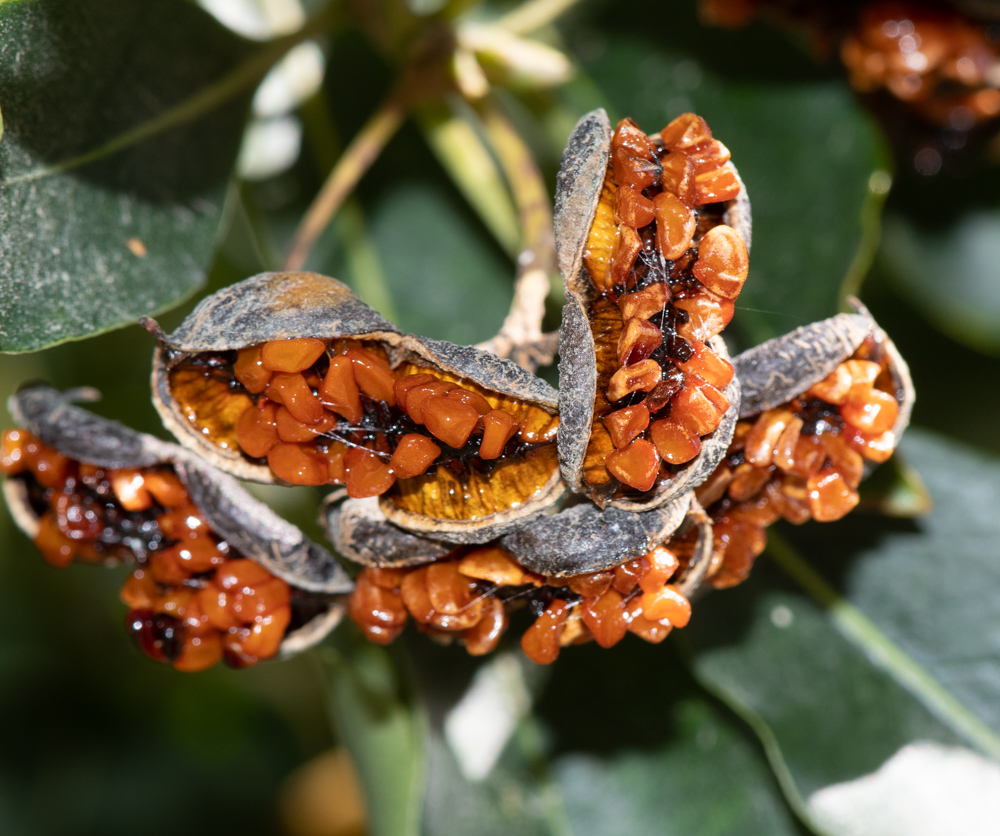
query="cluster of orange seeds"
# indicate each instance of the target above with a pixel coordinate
(800, 461)
(470, 595)
(928, 55)
(667, 271)
(193, 600)
(941, 63)
(338, 414)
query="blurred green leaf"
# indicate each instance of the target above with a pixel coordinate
(383, 730)
(123, 119)
(891, 649)
(951, 273)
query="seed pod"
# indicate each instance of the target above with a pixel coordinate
(469, 592)
(644, 308)
(573, 541)
(386, 414)
(83, 487)
(825, 404)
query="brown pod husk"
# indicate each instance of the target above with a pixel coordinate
(581, 190)
(464, 507)
(701, 559)
(359, 530)
(775, 372)
(585, 538)
(242, 521)
(778, 370)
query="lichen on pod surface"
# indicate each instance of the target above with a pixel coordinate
(317, 388)
(652, 234)
(216, 574)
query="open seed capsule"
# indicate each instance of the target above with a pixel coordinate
(290, 377)
(825, 404)
(472, 593)
(217, 575)
(652, 235)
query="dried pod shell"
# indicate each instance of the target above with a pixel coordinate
(458, 503)
(781, 369)
(359, 530)
(776, 371)
(591, 348)
(585, 538)
(242, 521)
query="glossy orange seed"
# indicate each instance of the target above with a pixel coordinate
(473, 399)
(403, 385)
(723, 261)
(674, 442)
(874, 413)
(636, 465)
(686, 131)
(644, 303)
(294, 393)
(493, 564)
(762, 440)
(449, 420)
(417, 396)
(291, 355)
(413, 455)
(637, 377)
(633, 208)
(716, 186)
(708, 315)
(627, 248)
(499, 427)
(367, 474)
(627, 423)
(129, 488)
(249, 369)
(257, 429)
(604, 616)
(675, 226)
(373, 375)
(166, 488)
(638, 339)
(668, 603)
(678, 177)
(708, 365)
(540, 641)
(695, 409)
(289, 429)
(297, 464)
(830, 497)
(485, 635)
(339, 390)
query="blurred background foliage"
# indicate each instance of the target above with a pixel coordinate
(849, 643)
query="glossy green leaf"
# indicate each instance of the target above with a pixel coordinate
(802, 145)
(886, 643)
(383, 729)
(122, 122)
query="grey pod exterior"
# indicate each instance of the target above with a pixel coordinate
(247, 524)
(576, 540)
(359, 530)
(585, 538)
(276, 306)
(781, 369)
(578, 190)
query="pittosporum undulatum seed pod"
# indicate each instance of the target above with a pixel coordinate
(216, 574)
(290, 377)
(652, 235)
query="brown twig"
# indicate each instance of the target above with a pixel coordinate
(352, 165)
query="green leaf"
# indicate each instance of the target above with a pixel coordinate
(950, 272)
(803, 147)
(123, 119)
(893, 646)
(383, 730)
